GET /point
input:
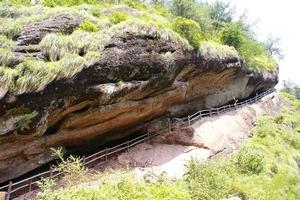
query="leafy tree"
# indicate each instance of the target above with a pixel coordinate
(221, 13)
(183, 8)
(232, 35)
(292, 88)
(273, 46)
(188, 29)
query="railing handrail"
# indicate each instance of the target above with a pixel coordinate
(137, 140)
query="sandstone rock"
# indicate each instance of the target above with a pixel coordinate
(33, 34)
(138, 79)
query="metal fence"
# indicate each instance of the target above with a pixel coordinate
(29, 184)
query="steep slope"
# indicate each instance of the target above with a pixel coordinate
(135, 74)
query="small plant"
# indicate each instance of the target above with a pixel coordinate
(6, 57)
(7, 79)
(250, 161)
(117, 17)
(46, 187)
(23, 121)
(71, 166)
(5, 43)
(88, 26)
(10, 28)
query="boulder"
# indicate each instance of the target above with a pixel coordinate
(138, 79)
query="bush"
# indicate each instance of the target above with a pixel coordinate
(232, 35)
(117, 17)
(250, 161)
(209, 180)
(88, 26)
(188, 29)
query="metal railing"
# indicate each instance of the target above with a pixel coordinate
(29, 184)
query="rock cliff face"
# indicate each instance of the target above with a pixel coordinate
(138, 78)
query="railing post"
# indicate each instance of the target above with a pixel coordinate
(127, 146)
(106, 155)
(83, 160)
(29, 184)
(189, 120)
(8, 190)
(51, 172)
(148, 137)
(210, 112)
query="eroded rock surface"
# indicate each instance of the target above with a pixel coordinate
(138, 78)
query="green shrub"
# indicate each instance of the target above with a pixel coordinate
(117, 17)
(88, 26)
(188, 29)
(250, 160)
(209, 180)
(232, 35)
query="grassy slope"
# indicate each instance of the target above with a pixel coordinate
(63, 53)
(265, 168)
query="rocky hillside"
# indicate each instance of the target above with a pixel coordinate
(80, 76)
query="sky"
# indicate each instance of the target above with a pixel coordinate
(280, 18)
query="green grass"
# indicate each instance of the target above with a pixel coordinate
(6, 57)
(5, 42)
(264, 169)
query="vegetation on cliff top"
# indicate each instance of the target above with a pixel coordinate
(208, 29)
(265, 168)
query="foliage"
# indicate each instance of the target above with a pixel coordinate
(273, 46)
(117, 186)
(188, 29)
(216, 50)
(117, 17)
(253, 52)
(264, 169)
(250, 160)
(71, 167)
(208, 180)
(221, 13)
(6, 57)
(291, 88)
(10, 28)
(23, 121)
(88, 26)
(5, 43)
